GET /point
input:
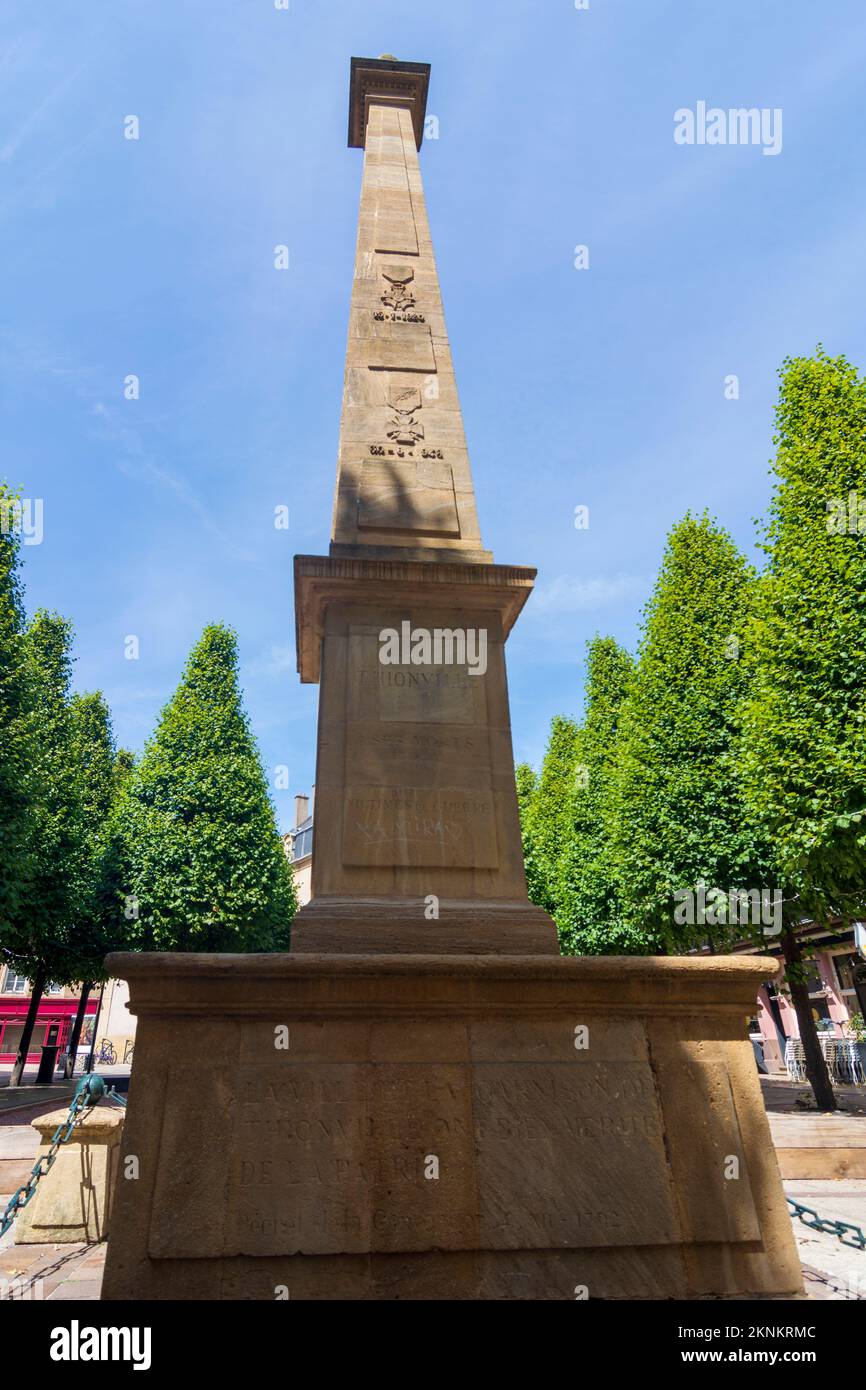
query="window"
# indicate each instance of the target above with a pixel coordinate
(817, 995)
(845, 972)
(14, 984)
(303, 843)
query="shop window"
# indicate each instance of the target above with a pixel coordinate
(12, 1037)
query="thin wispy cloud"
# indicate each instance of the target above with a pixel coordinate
(10, 147)
(133, 461)
(567, 594)
(276, 661)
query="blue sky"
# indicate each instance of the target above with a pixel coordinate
(601, 387)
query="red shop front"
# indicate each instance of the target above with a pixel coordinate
(13, 1013)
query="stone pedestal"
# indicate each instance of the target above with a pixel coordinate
(448, 1127)
(73, 1199)
(418, 843)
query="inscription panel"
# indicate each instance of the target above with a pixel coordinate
(418, 771)
(299, 1160)
(409, 694)
(394, 755)
(331, 1159)
(416, 828)
(408, 495)
(571, 1154)
(335, 1157)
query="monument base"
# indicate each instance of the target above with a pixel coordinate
(373, 926)
(446, 1127)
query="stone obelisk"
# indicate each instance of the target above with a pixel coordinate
(417, 841)
(424, 1099)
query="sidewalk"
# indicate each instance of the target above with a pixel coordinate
(50, 1273)
(816, 1145)
(40, 1272)
(781, 1097)
(33, 1100)
(831, 1269)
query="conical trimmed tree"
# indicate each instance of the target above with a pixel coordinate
(43, 945)
(805, 721)
(677, 792)
(545, 813)
(100, 926)
(526, 782)
(203, 866)
(14, 700)
(590, 915)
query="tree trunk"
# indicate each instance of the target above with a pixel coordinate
(76, 1028)
(37, 986)
(89, 1063)
(816, 1067)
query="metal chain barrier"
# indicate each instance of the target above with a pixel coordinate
(839, 1229)
(89, 1090)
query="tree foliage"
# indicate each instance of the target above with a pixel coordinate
(678, 803)
(589, 908)
(805, 720)
(200, 859)
(104, 772)
(15, 811)
(527, 787)
(44, 937)
(545, 813)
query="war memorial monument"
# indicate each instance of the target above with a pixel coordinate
(424, 1100)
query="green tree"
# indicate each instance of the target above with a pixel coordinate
(15, 811)
(100, 924)
(681, 825)
(42, 945)
(545, 818)
(804, 740)
(527, 785)
(590, 914)
(201, 858)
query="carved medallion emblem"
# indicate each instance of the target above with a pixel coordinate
(404, 427)
(397, 295)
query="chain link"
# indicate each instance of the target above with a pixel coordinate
(89, 1090)
(839, 1229)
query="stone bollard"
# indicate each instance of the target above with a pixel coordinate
(73, 1200)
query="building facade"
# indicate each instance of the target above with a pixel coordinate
(831, 992)
(57, 1008)
(298, 844)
